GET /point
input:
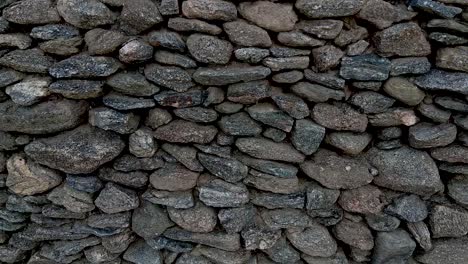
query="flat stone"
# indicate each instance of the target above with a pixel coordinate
(390, 41)
(263, 148)
(270, 167)
(141, 252)
(448, 221)
(54, 31)
(357, 48)
(157, 117)
(286, 52)
(335, 8)
(447, 39)
(453, 250)
(31, 12)
(452, 103)
(453, 153)
(99, 254)
(101, 41)
(272, 16)
(283, 252)
(171, 77)
(382, 222)
(89, 184)
(234, 220)
(323, 28)
(43, 118)
(371, 102)
(426, 135)
(290, 63)
(15, 40)
(228, 107)
(209, 49)
(397, 170)
(116, 199)
(457, 187)
(327, 57)
(30, 60)
(288, 77)
(395, 116)
(337, 172)
(179, 131)
(173, 177)
(76, 151)
(84, 66)
(112, 120)
(135, 51)
(403, 90)
(133, 179)
(260, 238)
(248, 92)
(85, 13)
(269, 114)
(292, 105)
(138, 16)
(355, 234)
(239, 124)
(73, 200)
(383, 14)
(315, 92)
(307, 136)
(9, 76)
(313, 241)
(174, 59)
(298, 39)
(436, 8)
(409, 208)
(29, 91)
(453, 58)
(200, 218)
(62, 47)
(220, 240)
(183, 199)
(272, 183)
(166, 39)
(368, 67)
(229, 74)
(228, 169)
(197, 114)
(190, 98)
(349, 142)
(218, 193)
(410, 65)
(339, 117)
(319, 197)
(150, 220)
(396, 246)
(366, 200)
(251, 55)
(193, 25)
(123, 102)
(209, 10)
(77, 89)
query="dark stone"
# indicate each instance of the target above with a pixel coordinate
(354, 234)
(368, 67)
(275, 201)
(135, 51)
(54, 31)
(267, 166)
(116, 199)
(436, 8)
(339, 116)
(209, 10)
(382, 222)
(84, 183)
(313, 241)
(349, 142)
(239, 124)
(140, 252)
(251, 55)
(272, 16)
(181, 100)
(290, 63)
(185, 155)
(150, 220)
(85, 13)
(31, 12)
(395, 246)
(457, 187)
(174, 59)
(298, 39)
(209, 49)
(248, 92)
(220, 240)
(403, 90)
(122, 102)
(426, 135)
(171, 77)
(134, 179)
(438, 80)
(234, 220)
(371, 102)
(199, 218)
(84, 66)
(410, 65)
(101, 41)
(315, 92)
(453, 250)
(193, 25)
(218, 193)
(110, 119)
(335, 8)
(230, 74)
(166, 39)
(452, 153)
(266, 149)
(270, 115)
(138, 16)
(409, 208)
(404, 39)
(307, 136)
(272, 183)
(446, 221)
(179, 131)
(244, 34)
(229, 169)
(173, 177)
(77, 89)
(30, 60)
(288, 77)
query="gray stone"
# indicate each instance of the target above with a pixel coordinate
(383, 14)
(272, 183)
(98, 254)
(457, 187)
(263, 148)
(453, 58)
(73, 200)
(283, 252)
(324, 28)
(218, 193)
(349, 142)
(366, 199)
(239, 124)
(135, 51)
(230, 74)
(313, 241)
(292, 105)
(290, 63)
(171, 77)
(166, 39)
(354, 234)
(15, 40)
(62, 47)
(9, 76)
(173, 177)
(228, 108)
(272, 16)
(193, 25)
(29, 91)
(403, 90)
(286, 52)
(150, 220)
(179, 131)
(409, 208)
(84, 66)
(133, 179)
(382, 222)
(242, 33)
(288, 77)
(235, 220)
(307, 136)
(327, 57)
(190, 98)
(452, 250)
(197, 114)
(77, 89)
(115, 199)
(138, 16)
(260, 238)
(452, 103)
(85, 13)
(404, 39)
(184, 154)
(54, 31)
(371, 102)
(101, 41)
(75, 151)
(270, 167)
(394, 117)
(447, 39)
(436, 8)
(410, 65)
(401, 170)
(446, 221)
(90, 184)
(368, 67)
(60, 250)
(199, 218)
(123, 102)
(169, 7)
(174, 59)
(118, 243)
(357, 48)
(426, 135)
(220, 240)
(31, 12)
(393, 247)
(248, 92)
(269, 114)
(335, 8)
(183, 199)
(453, 153)
(30, 60)
(337, 172)
(315, 92)
(229, 169)
(140, 252)
(319, 197)
(298, 39)
(251, 55)
(209, 49)
(209, 10)
(109, 119)
(339, 116)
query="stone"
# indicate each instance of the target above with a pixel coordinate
(84, 183)
(29, 60)
(290, 63)
(214, 254)
(447, 39)
(228, 169)
(357, 48)
(410, 65)
(382, 222)
(190, 98)
(248, 92)
(10, 254)
(73, 200)
(395, 116)
(179, 131)
(29, 91)
(315, 92)
(141, 252)
(236, 219)
(185, 155)
(270, 167)
(426, 135)
(403, 90)
(355, 234)
(434, 113)
(452, 103)
(288, 77)
(409, 208)
(43, 118)
(54, 31)
(166, 39)
(209, 49)
(59, 251)
(9, 76)
(390, 41)
(193, 25)
(173, 177)
(197, 114)
(319, 197)
(371, 102)
(272, 16)
(337, 172)
(364, 200)
(75, 151)
(272, 183)
(327, 57)
(229, 74)
(31, 12)
(383, 14)
(150, 220)
(110, 119)
(134, 179)
(307, 136)
(395, 246)
(218, 193)
(84, 66)
(349, 142)
(451, 250)
(220, 240)
(98, 254)
(364, 85)
(323, 9)
(174, 59)
(171, 77)
(283, 252)
(209, 10)
(200, 218)
(323, 28)
(436, 8)
(313, 241)
(251, 55)
(15, 40)
(228, 108)
(457, 187)
(266, 149)
(123, 102)
(339, 116)
(453, 58)
(453, 153)
(101, 41)
(260, 238)
(26, 177)
(367, 67)
(63, 47)
(269, 114)
(135, 51)
(138, 16)
(183, 199)
(298, 39)
(397, 170)
(448, 221)
(239, 124)
(115, 199)
(77, 89)
(85, 14)
(169, 7)
(286, 52)
(292, 105)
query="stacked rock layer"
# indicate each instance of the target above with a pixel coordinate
(211, 131)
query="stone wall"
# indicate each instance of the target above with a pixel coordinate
(229, 132)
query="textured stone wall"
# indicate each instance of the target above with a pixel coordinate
(229, 132)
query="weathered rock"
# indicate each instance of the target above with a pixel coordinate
(63, 47)
(110, 119)
(349, 142)
(229, 74)
(101, 41)
(29, 91)
(298, 39)
(85, 13)
(190, 98)
(447, 39)
(54, 31)
(251, 55)
(457, 187)
(403, 90)
(452, 250)
(99, 254)
(453, 153)
(230, 170)
(452, 103)
(368, 67)
(269, 114)
(321, 9)
(209, 9)
(173, 177)
(272, 183)
(371, 102)
(73, 200)
(272, 16)
(221, 240)
(239, 124)
(409, 208)
(382, 222)
(394, 117)
(77, 89)
(193, 25)
(218, 193)
(390, 41)
(286, 52)
(327, 57)
(324, 28)
(395, 246)
(123, 102)
(81, 150)
(339, 116)
(30, 60)
(410, 65)
(402, 170)
(313, 241)
(266, 149)
(426, 135)
(209, 49)
(248, 92)
(307, 136)
(9, 76)
(290, 63)
(138, 16)
(141, 252)
(337, 172)
(84, 66)
(174, 59)
(364, 200)
(383, 14)
(421, 234)
(150, 220)
(135, 51)
(315, 92)
(166, 39)
(453, 58)
(355, 234)
(15, 40)
(171, 77)
(183, 199)
(446, 221)
(179, 131)
(134, 179)
(288, 77)
(200, 218)
(436, 8)
(31, 12)
(115, 199)
(185, 155)
(270, 167)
